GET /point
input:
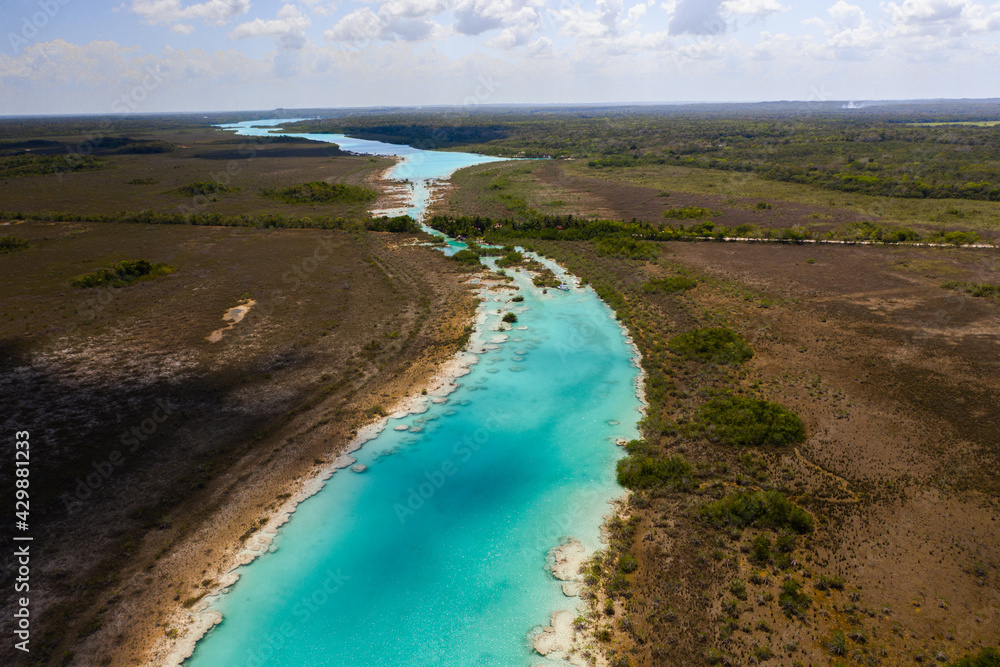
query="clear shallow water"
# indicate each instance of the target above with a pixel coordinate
(436, 554)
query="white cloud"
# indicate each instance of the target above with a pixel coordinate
(182, 28)
(925, 11)
(605, 21)
(407, 20)
(215, 12)
(109, 65)
(289, 28)
(847, 16)
(697, 17)
(360, 26)
(518, 19)
(945, 18)
(321, 8)
(755, 8)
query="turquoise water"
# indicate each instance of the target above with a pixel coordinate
(435, 556)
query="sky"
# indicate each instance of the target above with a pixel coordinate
(141, 56)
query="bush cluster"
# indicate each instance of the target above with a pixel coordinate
(120, 274)
(712, 345)
(758, 509)
(743, 421)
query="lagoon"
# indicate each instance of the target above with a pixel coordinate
(436, 553)
(418, 168)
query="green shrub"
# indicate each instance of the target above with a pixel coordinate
(205, 188)
(120, 274)
(738, 588)
(763, 652)
(785, 543)
(869, 231)
(626, 248)
(628, 563)
(689, 213)
(760, 509)
(974, 289)
(29, 164)
(321, 192)
(510, 318)
(837, 644)
(716, 345)
(672, 284)
(466, 257)
(12, 243)
(517, 299)
(401, 224)
(763, 206)
(954, 238)
(512, 258)
(988, 657)
(795, 234)
(826, 582)
(792, 599)
(760, 549)
(742, 421)
(643, 471)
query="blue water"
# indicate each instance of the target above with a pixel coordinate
(419, 168)
(435, 556)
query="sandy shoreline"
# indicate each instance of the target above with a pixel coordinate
(194, 623)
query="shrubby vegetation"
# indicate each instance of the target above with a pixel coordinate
(36, 165)
(689, 213)
(792, 598)
(712, 345)
(265, 220)
(742, 421)
(954, 238)
(647, 468)
(617, 238)
(670, 285)
(512, 258)
(402, 224)
(467, 257)
(120, 274)
(12, 243)
(757, 509)
(875, 152)
(987, 657)
(321, 192)
(205, 189)
(974, 289)
(869, 231)
(626, 248)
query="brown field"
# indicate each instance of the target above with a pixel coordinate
(247, 163)
(896, 378)
(342, 327)
(562, 187)
(898, 383)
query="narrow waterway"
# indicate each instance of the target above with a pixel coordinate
(435, 554)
